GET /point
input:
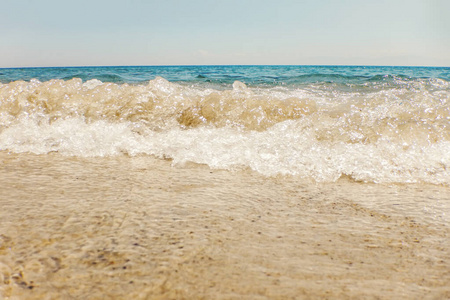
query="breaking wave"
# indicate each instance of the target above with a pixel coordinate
(387, 129)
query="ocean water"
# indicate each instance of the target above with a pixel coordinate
(370, 124)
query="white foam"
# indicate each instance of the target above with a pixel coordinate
(92, 84)
(289, 148)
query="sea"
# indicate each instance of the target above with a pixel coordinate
(368, 124)
(225, 182)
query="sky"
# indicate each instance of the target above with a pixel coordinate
(45, 33)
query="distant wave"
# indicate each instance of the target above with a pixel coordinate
(107, 77)
(263, 76)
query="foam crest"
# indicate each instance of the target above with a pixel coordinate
(289, 148)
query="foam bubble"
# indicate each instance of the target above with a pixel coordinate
(288, 148)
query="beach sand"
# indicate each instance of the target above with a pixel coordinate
(139, 228)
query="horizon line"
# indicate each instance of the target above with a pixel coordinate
(226, 65)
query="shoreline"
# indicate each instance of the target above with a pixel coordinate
(136, 227)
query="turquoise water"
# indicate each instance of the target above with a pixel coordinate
(226, 75)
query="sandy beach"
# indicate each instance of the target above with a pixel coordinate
(140, 228)
(230, 150)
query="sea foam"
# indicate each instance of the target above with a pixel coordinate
(372, 132)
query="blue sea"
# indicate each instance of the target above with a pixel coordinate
(370, 124)
(254, 76)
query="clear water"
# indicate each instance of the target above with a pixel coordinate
(226, 75)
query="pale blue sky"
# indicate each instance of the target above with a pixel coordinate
(202, 32)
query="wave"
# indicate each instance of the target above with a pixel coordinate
(376, 135)
(104, 77)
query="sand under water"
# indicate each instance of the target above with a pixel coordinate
(137, 227)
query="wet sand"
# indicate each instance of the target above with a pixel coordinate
(139, 228)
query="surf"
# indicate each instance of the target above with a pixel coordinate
(389, 129)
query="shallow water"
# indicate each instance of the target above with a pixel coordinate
(122, 227)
